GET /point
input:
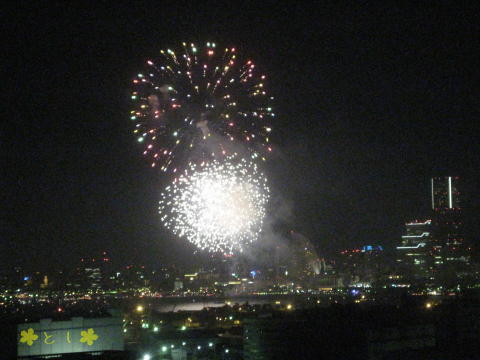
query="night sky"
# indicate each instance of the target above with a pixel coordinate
(372, 100)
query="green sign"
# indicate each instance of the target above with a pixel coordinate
(76, 335)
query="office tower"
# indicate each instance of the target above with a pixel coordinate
(448, 220)
(416, 253)
(362, 267)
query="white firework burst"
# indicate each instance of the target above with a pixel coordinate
(218, 206)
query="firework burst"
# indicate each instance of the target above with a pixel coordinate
(194, 103)
(218, 206)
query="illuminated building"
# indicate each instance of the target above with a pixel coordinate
(434, 251)
(92, 273)
(94, 277)
(44, 283)
(448, 228)
(134, 277)
(448, 219)
(177, 285)
(416, 252)
(362, 266)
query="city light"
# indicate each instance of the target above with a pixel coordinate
(450, 192)
(139, 308)
(147, 357)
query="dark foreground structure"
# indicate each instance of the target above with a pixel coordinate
(414, 329)
(347, 332)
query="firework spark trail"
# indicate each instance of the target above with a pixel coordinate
(218, 206)
(190, 94)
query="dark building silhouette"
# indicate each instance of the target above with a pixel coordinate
(448, 231)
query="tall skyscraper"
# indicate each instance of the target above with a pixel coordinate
(416, 253)
(434, 251)
(447, 216)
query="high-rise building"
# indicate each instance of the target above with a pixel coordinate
(448, 219)
(92, 273)
(416, 253)
(362, 267)
(93, 277)
(434, 251)
(454, 266)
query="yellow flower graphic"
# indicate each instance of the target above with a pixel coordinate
(88, 336)
(28, 336)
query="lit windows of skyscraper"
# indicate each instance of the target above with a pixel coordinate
(94, 277)
(434, 251)
(447, 216)
(414, 254)
(445, 194)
